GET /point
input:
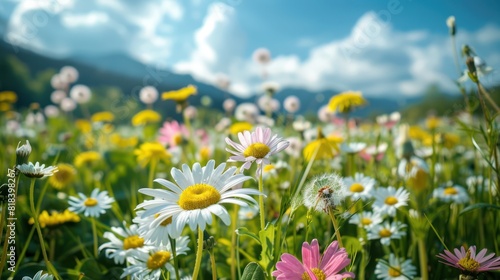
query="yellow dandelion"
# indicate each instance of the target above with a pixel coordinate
(103, 117)
(151, 151)
(344, 102)
(432, 122)
(83, 125)
(450, 140)
(5, 106)
(8, 96)
(63, 177)
(145, 117)
(417, 133)
(180, 95)
(238, 127)
(87, 158)
(55, 218)
(124, 142)
(327, 147)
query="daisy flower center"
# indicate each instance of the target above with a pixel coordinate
(385, 233)
(90, 202)
(468, 263)
(320, 275)
(450, 191)
(357, 187)
(158, 259)
(198, 196)
(177, 138)
(268, 168)
(391, 200)
(394, 271)
(204, 153)
(257, 150)
(132, 242)
(165, 222)
(366, 221)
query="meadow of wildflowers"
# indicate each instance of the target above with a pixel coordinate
(249, 193)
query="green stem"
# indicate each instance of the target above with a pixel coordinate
(174, 254)
(152, 170)
(94, 235)
(261, 201)
(38, 229)
(234, 222)
(212, 262)
(199, 252)
(424, 273)
(336, 227)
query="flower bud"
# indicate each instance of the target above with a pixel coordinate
(451, 25)
(23, 153)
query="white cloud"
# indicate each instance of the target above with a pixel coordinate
(374, 58)
(87, 20)
(67, 28)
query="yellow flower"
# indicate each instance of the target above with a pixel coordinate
(235, 128)
(83, 125)
(87, 157)
(102, 117)
(8, 96)
(150, 151)
(124, 142)
(145, 116)
(345, 101)
(179, 95)
(55, 218)
(63, 177)
(5, 106)
(450, 140)
(417, 133)
(327, 147)
(432, 122)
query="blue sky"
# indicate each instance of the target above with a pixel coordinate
(383, 48)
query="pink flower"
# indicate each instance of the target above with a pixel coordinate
(173, 133)
(469, 262)
(314, 266)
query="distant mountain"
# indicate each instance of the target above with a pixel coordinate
(129, 75)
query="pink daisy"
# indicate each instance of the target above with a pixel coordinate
(314, 265)
(469, 262)
(255, 146)
(173, 133)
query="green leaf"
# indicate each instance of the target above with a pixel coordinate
(267, 243)
(243, 231)
(90, 268)
(253, 271)
(478, 206)
(352, 244)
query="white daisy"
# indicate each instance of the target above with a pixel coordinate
(352, 148)
(148, 265)
(324, 192)
(409, 168)
(387, 232)
(125, 245)
(92, 206)
(156, 235)
(248, 212)
(366, 219)
(36, 170)
(255, 146)
(39, 276)
(359, 187)
(387, 200)
(451, 193)
(196, 195)
(272, 170)
(396, 269)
